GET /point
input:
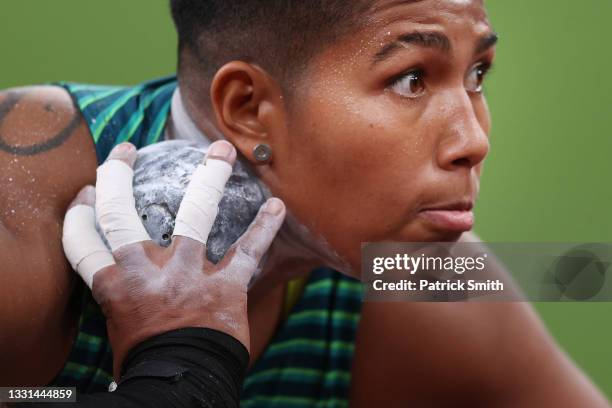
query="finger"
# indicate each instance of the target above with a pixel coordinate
(82, 244)
(115, 205)
(200, 205)
(255, 242)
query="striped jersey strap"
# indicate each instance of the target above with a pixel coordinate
(118, 114)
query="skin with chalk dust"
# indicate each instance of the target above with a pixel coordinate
(161, 174)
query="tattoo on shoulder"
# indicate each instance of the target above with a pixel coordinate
(6, 106)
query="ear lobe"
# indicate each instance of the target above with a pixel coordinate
(248, 106)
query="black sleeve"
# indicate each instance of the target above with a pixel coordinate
(190, 367)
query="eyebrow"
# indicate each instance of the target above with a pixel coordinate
(486, 42)
(430, 40)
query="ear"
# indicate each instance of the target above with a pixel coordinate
(248, 106)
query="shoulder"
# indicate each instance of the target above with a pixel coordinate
(36, 120)
(46, 152)
(448, 354)
(45, 101)
(417, 352)
(434, 353)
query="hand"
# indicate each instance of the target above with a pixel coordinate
(145, 290)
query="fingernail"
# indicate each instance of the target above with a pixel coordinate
(122, 149)
(222, 150)
(274, 206)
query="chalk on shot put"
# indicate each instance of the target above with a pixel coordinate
(161, 174)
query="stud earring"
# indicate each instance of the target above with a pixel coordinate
(262, 153)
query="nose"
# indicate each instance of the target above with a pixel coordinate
(464, 143)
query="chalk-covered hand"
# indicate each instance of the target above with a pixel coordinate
(144, 289)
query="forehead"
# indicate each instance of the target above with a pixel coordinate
(463, 22)
(421, 8)
(386, 12)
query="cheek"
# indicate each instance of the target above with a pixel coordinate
(354, 166)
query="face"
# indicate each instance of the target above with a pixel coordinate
(388, 128)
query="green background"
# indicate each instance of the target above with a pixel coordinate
(547, 177)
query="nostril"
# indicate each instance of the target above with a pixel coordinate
(462, 162)
(144, 217)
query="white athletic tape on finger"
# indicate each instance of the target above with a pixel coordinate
(200, 206)
(116, 207)
(83, 245)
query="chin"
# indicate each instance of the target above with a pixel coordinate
(444, 236)
(420, 232)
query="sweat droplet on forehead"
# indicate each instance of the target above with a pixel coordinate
(161, 174)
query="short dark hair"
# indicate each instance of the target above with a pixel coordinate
(279, 35)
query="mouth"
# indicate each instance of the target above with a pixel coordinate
(454, 216)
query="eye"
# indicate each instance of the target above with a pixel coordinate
(474, 80)
(410, 84)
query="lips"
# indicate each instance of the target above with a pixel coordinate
(455, 216)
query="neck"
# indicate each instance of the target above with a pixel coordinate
(193, 122)
(294, 252)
